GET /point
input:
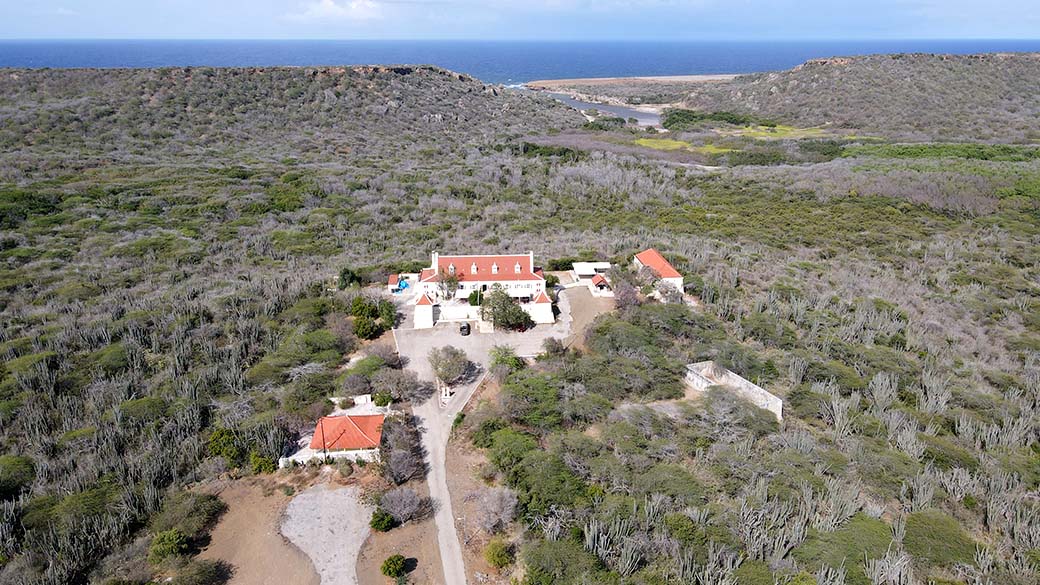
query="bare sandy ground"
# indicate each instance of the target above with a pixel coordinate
(247, 537)
(554, 84)
(330, 524)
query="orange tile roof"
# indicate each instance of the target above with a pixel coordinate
(653, 260)
(424, 300)
(485, 265)
(599, 279)
(393, 279)
(542, 298)
(346, 433)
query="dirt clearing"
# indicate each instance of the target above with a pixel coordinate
(329, 523)
(247, 537)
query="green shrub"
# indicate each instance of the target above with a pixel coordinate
(945, 454)
(533, 398)
(261, 464)
(508, 448)
(16, 474)
(146, 409)
(362, 307)
(498, 553)
(223, 443)
(112, 359)
(482, 435)
(201, 572)
(382, 521)
(937, 539)
(562, 562)
(382, 398)
(367, 366)
(166, 544)
(862, 537)
(191, 513)
(752, 572)
(393, 567)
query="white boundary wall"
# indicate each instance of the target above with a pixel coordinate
(701, 375)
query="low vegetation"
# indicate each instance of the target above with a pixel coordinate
(180, 295)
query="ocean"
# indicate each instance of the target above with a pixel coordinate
(505, 62)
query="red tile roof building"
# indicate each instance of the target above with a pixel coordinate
(516, 273)
(348, 433)
(653, 260)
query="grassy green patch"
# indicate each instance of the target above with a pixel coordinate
(993, 152)
(666, 144)
(861, 537)
(937, 539)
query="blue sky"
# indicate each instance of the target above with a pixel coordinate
(520, 19)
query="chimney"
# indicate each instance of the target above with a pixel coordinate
(436, 268)
(530, 260)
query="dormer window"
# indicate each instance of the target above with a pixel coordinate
(451, 269)
(473, 268)
(494, 268)
(516, 268)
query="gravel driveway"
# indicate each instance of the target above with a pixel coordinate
(414, 345)
(330, 524)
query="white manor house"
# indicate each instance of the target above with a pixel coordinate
(515, 273)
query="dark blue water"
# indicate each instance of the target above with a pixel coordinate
(491, 61)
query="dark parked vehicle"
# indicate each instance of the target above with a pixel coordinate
(464, 329)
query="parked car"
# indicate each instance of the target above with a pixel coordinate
(464, 329)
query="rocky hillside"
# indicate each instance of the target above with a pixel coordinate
(992, 97)
(266, 112)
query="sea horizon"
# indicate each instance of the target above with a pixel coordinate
(501, 61)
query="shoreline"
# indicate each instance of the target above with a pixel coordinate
(550, 84)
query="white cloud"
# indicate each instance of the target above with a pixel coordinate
(328, 10)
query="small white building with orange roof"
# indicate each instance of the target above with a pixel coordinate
(653, 261)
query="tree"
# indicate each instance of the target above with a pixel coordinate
(450, 364)
(400, 384)
(449, 286)
(503, 311)
(402, 503)
(387, 313)
(625, 295)
(342, 330)
(348, 277)
(366, 328)
(363, 307)
(394, 566)
(505, 357)
(669, 293)
(497, 508)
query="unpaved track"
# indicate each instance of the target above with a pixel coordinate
(330, 524)
(436, 419)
